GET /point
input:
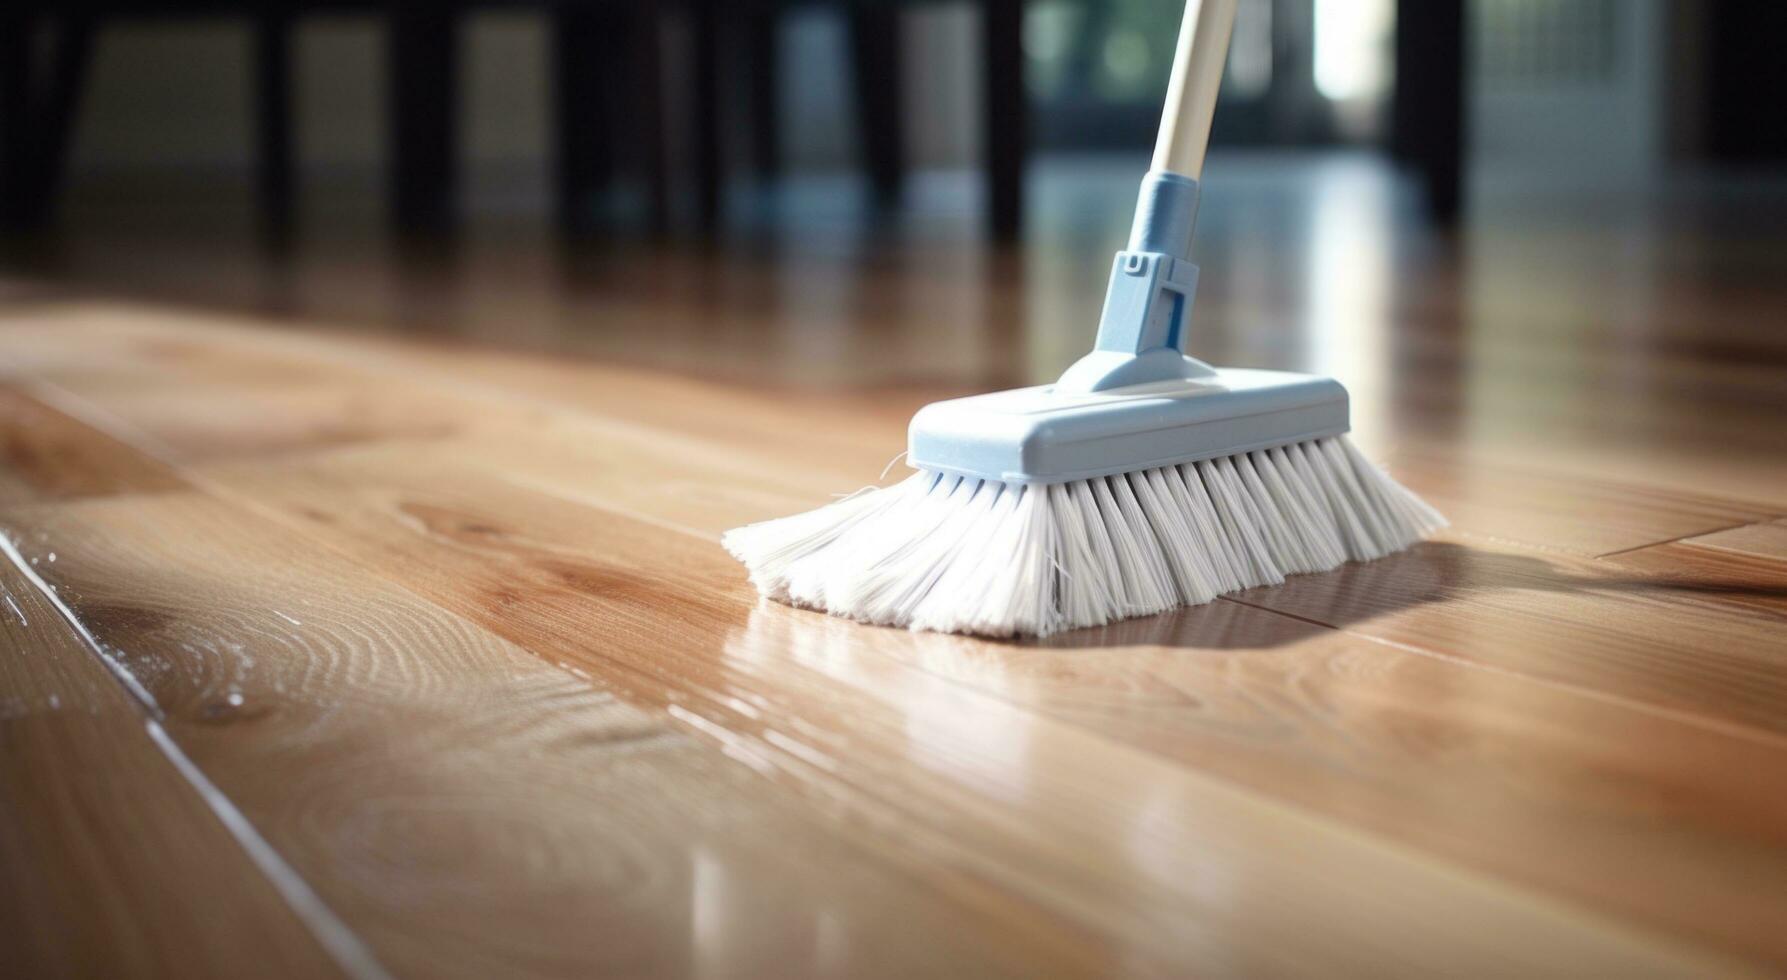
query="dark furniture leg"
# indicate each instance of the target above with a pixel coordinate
(646, 119)
(763, 88)
(54, 123)
(16, 110)
(1428, 113)
(423, 61)
(273, 119)
(1744, 76)
(586, 40)
(880, 108)
(1006, 110)
(706, 138)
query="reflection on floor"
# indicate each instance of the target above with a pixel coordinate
(1593, 317)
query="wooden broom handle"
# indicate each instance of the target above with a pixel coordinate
(1191, 94)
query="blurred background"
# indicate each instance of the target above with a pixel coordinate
(1505, 198)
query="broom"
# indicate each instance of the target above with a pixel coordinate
(1140, 481)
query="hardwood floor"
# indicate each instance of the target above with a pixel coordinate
(368, 619)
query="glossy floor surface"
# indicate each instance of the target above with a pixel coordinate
(364, 613)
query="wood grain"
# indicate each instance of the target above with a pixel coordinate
(180, 366)
(1761, 540)
(1743, 567)
(47, 455)
(111, 862)
(1438, 597)
(1649, 640)
(1374, 734)
(474, 810)
(1619, 810)
(961, 772)
(1548, 511)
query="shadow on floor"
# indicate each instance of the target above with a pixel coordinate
(1305, 606)
(1431, 572)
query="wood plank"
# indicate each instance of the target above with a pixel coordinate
(1033, 806)
(1700, 463)
(1744, 567)
(1641, 638)
(46, 455)
(1549, 511)
(105, 353)
(1761, 540)
(111, 862)
(843, 440)
(181, 391)
(192, 420)
(304, 396)
(69, 336)
(1647, 817)
(847, 436)
(472, 810)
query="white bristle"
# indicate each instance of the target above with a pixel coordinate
(960, 555)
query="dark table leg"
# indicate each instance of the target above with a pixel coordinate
(880, 107)
(16, 30)
(36, 127)
(763, 87)
(273, 119)
(709, 167)
(1007, 110)
(586, 42)
(646, 119)
(424, 62)
(1428, 114)
(70, 60)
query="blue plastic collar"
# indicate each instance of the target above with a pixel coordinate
(1141, 336)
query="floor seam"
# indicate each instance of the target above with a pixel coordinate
(1684, 537)
(342, 944)
(1729, 729)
